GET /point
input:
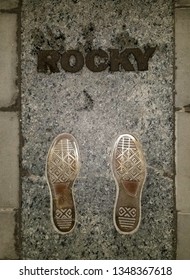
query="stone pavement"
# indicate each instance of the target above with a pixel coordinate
(182, 116)
(95, 108)
(9, 131)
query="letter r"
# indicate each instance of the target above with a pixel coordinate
(48, 60)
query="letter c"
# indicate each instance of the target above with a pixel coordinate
(90, 63)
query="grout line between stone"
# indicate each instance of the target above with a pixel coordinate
(13, 108)
(184, 213)
(10, 11)
(5, 210)
(178, 6)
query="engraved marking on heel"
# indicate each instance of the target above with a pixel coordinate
(127, 217)
(63, 218)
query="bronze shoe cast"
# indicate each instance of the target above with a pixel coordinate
(129, 170)
(62, 168)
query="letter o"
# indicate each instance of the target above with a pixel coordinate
(65, 61)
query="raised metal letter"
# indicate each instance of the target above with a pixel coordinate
(117, 59)
(66, 63)
(48, 60)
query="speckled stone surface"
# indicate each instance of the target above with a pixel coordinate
(96, 108)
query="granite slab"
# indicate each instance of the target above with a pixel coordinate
(96, 108)
(94, 236)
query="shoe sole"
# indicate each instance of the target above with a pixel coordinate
(62, 168)
(129, 171)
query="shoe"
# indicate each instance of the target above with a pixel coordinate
(62, 168)
(129, 171)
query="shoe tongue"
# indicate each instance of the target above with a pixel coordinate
(131, 187)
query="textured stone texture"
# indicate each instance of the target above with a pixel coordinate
(182, 38)
(182, 162)
(95, 236)
(9, 162)
(8, 4)
(7, 230)
(96, 108)
(183, 236)
(8, 59)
